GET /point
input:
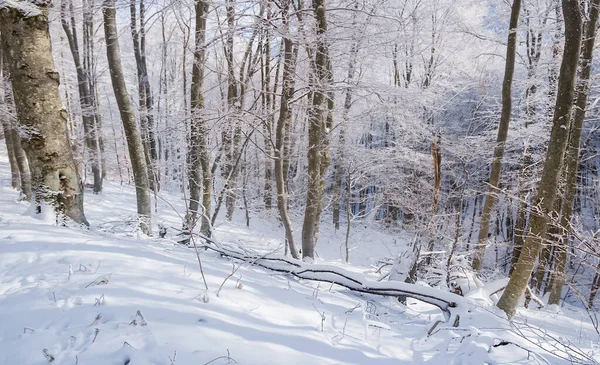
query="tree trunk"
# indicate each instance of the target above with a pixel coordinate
(572, 158)
(19, 153)
(8, 127)
(15, 179)
(144, 91)
(42, 121)
(547, 187)
(522, 208)
(267, 99)
(134, 140)
(285, 116)
(85, 100)
(338, 169)
(490, 199)
(198, 150)
(318, 134)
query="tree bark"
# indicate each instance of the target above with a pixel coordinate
(41, 117)
(547, 187)
(15, 178)
(318, 134)
(571, 166)
(285, 116)
(8, 127)
(490, 199)
(85, 99)
(132, 134)
(144, 91)
(198, 150)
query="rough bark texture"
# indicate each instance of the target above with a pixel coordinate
(572, 157)
(41, 116)
(132, 134)
(199, 156)
(285, 115)
(547, 188)
(318, 134)
(490, 199)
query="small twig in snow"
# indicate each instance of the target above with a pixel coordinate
(102, 280)
(228, 358)
(172, 360)
(47, 355)
(96, 320)
(99, 301)
(322, 314)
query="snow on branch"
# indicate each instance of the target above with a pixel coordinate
(448, 303)
(27, 8)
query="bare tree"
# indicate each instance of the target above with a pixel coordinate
(318, 132)
(571, 165)
(285, 116)
(490, 199)
(134, 140)
(198, 150)
(85, 95)
(543, 202)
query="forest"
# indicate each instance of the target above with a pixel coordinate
(437, 154)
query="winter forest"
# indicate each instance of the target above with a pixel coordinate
(299, 182)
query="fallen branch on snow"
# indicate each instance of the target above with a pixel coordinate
(448, 303)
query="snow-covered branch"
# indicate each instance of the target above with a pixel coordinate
(448, 303)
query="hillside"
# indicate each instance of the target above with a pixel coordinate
(108, 296)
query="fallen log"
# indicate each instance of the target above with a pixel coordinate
(448, 303)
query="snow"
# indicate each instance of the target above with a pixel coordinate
(27, 8)
(107, 296)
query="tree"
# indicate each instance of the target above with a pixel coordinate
(547, 187)
(146, 100)
(41, 116)
(571, 165)
(134, 140)
(19, 167)
(86, 99)
(281, 131)
(490, 199)
(199, 156)
(318, 132)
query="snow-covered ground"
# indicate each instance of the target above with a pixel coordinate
(107, 296)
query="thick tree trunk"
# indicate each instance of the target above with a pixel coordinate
(198, 150)
(572, 158)
(490, 199)
(318, 134)
(87, 106)
(42, 121)
(547, 188)
(134, 140)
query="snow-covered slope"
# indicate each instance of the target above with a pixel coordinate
(106, 296)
